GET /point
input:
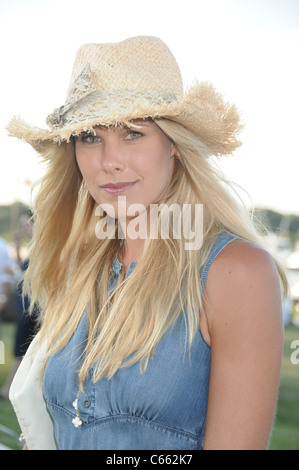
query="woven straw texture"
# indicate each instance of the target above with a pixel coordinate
(113, 84)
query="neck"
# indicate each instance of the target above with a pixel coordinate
(131, 251)
(132, 247)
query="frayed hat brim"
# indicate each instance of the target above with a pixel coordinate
(202, 110)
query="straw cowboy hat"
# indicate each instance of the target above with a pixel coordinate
(116, 83)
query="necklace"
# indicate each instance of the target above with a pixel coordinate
(76, 421)
(119, 251)
(120, 256)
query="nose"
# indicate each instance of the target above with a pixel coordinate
(112, 156)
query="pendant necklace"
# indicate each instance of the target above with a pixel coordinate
(76, 421)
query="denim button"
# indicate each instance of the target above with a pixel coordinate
(86, 403)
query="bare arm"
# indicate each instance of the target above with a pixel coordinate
(246, 334)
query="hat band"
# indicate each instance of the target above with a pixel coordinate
(106, 105)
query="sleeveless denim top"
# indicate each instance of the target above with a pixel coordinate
(162, 408)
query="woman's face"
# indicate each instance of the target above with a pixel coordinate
(130, 162)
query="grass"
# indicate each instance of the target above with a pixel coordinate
(7, 415)
(285, 435)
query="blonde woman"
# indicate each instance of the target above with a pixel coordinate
(160, 308)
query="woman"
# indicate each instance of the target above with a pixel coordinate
(151, 344)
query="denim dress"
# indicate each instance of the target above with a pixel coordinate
(163, 408)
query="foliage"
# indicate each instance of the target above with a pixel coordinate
(281, 224)
(9, 219)
(285, 435)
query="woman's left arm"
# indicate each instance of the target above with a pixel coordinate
(244, 317)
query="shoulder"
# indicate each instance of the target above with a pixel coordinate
(241, 260)
(243, 281)
(244, 318)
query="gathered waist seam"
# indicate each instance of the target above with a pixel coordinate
(130, 417)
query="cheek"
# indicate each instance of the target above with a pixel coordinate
(162, 167)
(86, 165)
(80, 162)
(88, 172)
(158, 176)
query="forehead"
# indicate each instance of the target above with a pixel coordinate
(134, 124)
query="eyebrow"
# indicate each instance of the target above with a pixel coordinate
(138, 122)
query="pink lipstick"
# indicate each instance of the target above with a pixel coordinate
(118, 188)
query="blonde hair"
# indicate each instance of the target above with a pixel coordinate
(66, 259)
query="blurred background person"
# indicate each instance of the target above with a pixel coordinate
(6, 275)
(25, 323)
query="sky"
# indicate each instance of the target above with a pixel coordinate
(248, 49)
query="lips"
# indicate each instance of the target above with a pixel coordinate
(118, 188)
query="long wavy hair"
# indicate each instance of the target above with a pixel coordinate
(66, 259)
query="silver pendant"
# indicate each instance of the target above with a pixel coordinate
(76, 421)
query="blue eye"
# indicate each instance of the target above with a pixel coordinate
(89, 138)
(133, 135)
